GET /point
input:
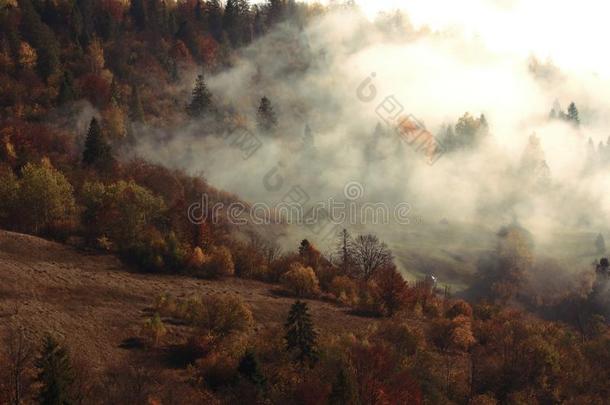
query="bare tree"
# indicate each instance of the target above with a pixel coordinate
(19, 355)
(344, 250)
(269, 250)
(369, 255)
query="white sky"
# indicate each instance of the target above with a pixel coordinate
(570, 33)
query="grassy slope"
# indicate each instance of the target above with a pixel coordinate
(97, 303)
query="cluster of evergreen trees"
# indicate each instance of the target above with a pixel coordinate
(571, 116)
(466, 133)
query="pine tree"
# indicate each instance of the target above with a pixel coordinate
(344, 250)
(275, 11)
(483, 130)
(55, 374)
(265, 116)
(41, 37)
(97, 151)
(136, 112)
(300, 334)
(213, 13)
(258, 27)
(230, 21)
(66, 89)
(308, 143)
(342, 390)
(138, 13)
(573, 114)
(600, 244)
(201, 100)
(248, 368)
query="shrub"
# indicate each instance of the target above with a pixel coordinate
(390, 290)
(121, 211)
(460, 307)
(300, 281)
(219, 263)
(197, 259)
(220, 315)
(154, 329)
(8, 193)
(345, 290)
(44, 197)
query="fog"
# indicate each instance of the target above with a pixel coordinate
(491, 60)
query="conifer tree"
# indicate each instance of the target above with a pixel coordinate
(56, 375)
(213, 13)
(265, 116)
(308, 142)
(230, 21)
(573, 114)
(97, 151)
(342, 390)
(136, 112)
(201, 98)
(344, 250)
(66, 89)
(249, 368)
(301, 337)
(600, 244)
(41, 37)
(138, 13)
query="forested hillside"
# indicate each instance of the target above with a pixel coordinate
(123, 122)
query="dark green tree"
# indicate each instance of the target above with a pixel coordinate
(230, 22)
(265, 116)
(66, 89)
(342, 390)
(573, 114)
(258, 25)
(249, 369)
(136, 112)
(97, 151)
(301, 338)
(600, 244)
(55, 375)
(139, 13)
(483, 130)
(308, 142)
(41, 37)
(276, 10)
(201, 98)
(344, 250)
(213, 15)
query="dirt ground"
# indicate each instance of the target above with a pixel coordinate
(96, 303)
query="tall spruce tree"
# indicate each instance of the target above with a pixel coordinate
(139, 13)
(66, 89)
(308, 141)
(201, 98)
(301, 338)
(342, 389)
(573, 114)
(213, 14)
(265, 116)
(97, 151)
(230, 21)
(136, 112)
(41, 37)
(249, 369)
(55, 375)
